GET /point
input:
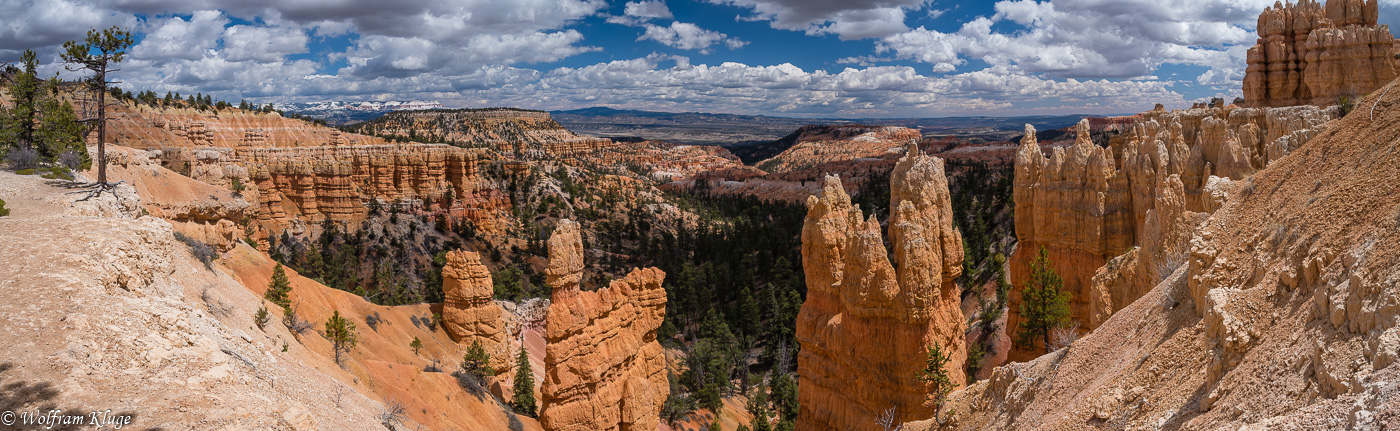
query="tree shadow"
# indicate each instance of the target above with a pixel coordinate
(20, 399)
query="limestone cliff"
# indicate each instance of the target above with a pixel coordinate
(1309, 53)
(866, 324)
(1087, 205)
(468, 313)
(604, 369)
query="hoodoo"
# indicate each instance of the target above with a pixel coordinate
(1309, 53)
(604, 369)
(866, 325)
(468, 314)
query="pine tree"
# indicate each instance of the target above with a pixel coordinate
(278, 289)
(1044, 305)
(935, 375)
(110, 45)
(341, 333)
(59, 131)
(477, 363)
(25, 91)
(524, 399)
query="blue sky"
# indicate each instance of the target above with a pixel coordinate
(847, 58)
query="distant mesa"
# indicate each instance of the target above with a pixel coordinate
(340, 113)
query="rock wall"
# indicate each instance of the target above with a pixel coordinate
(604, 369)
(866, 324)
(1087, 204)
(140, 126)
(1309, 53)
(311, 184)
(468, 313)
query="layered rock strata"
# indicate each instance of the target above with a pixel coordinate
(313, 184)
(604, 369)
(527, 134)
(866, 324)
(1309, 53)
(1087, 204)
(468, 313)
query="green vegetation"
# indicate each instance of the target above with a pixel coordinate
(476, 362)
(261, 318)
(341, 333)
(41, 127)
(279, 288)
(524, 386)
(3, 211)
(935, 375)
(416, 345)
(1044, 306)
(97, 53)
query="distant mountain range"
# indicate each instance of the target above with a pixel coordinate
(339, 113)
(738, 130)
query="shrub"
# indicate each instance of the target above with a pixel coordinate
(1346, 102)
(373, 321)
(3, 211)
(1064, 336)
(261, 318)
(201, 251)
(237, 187)
(56, 173)
(22, 158)
(75, 161)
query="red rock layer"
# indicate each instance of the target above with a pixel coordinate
(866, 324)
(604, 369)
(1313, 54)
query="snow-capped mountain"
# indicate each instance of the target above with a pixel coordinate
(336, 112)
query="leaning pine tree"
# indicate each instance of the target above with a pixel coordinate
(1044, 303)
(97, 53)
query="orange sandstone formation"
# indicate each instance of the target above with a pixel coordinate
(468, 313)
(1086, 204)
(866, 324)
(1309, 53)
(313, 184)
(604, 369)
